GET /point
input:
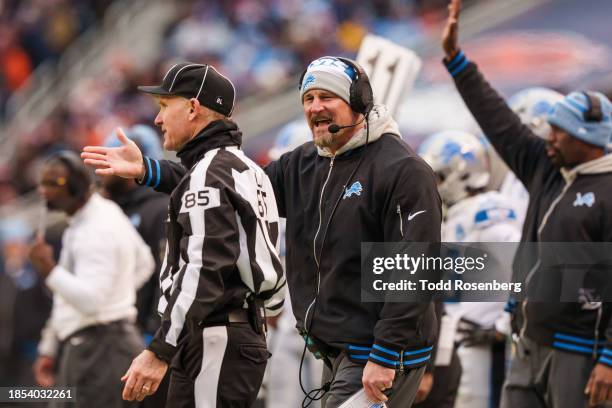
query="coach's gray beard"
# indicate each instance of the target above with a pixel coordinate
(325, 141)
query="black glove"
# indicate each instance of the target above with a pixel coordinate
(472, 334)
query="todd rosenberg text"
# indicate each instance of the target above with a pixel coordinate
(406, 285)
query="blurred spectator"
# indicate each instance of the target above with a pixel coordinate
(93, 286)
(16, 64)
(147, 210)
(24, 305)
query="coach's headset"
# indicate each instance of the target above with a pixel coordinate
(361, 100)
(593, 112)
(80, 178)
(361, 97)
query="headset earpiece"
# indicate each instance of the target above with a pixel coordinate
(361, 95)
(301, 79)
(79, 177)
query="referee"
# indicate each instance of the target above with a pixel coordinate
(221, 265)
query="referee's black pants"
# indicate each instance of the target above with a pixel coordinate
(222, 366)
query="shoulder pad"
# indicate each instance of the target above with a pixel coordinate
(494, 215)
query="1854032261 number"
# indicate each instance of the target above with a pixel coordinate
(24, 394)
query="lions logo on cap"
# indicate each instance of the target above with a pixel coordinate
(310, 79)
(333, 64)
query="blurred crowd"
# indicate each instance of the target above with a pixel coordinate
(271, 40)
(34, 32)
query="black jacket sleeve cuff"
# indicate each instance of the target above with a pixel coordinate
(457, 64)
(606, 357)
(162, 350)
(409, 357)
(152, 175)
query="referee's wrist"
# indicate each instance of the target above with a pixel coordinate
(157, 356)
(162, 350)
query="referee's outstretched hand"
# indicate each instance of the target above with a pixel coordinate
(124, 161)
(450, 36)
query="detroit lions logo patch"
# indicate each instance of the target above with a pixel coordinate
(588, 199)
(309, 81)
(355, 189)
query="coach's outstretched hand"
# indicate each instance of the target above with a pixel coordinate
(124, 161)
(450, 36)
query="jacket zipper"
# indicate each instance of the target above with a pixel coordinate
(551, 209)
(401, 222)
(314, 246)
(314, 249)
(418, 334)
(540, 229)
(524, 304)
(524, 327)
(599, 312)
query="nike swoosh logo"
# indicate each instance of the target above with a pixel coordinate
(411, 215)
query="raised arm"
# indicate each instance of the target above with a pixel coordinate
(518, 146)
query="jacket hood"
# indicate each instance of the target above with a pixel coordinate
(379, 121)
(597, 166)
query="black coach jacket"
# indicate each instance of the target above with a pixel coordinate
(560, 210)
(379, 192)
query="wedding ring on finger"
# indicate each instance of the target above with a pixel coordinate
(384, 387)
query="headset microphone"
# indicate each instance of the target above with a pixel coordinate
(333, 128)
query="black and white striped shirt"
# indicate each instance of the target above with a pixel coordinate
(223, 231)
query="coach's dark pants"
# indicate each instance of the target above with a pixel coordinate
(347, 381)
(93, 361)
(543, 377)
(223, 366)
